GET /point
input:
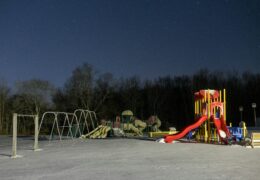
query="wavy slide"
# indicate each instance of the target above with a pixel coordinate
(170, 138)
(221, 129)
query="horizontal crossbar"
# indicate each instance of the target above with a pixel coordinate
(24, 115)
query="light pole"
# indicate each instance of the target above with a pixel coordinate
(241, 113)
(254, 106)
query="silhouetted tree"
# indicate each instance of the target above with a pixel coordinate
(79, 87)
(32, 96)
(4, 94)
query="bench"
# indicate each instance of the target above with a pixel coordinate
(255, 139)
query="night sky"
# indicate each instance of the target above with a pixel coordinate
(47, 39)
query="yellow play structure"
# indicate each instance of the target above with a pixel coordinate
(209, 102)
(210, 118)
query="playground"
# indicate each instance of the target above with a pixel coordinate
(123, 158)
(66, 145)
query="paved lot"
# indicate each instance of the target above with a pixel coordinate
(127, 159)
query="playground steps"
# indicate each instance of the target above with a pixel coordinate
(255, 137)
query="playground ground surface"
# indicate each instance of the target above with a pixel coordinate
(118, 159)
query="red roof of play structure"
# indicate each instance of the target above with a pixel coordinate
(202, 93)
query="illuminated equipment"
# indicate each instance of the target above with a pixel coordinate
(210, 118)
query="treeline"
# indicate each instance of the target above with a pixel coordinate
(171, 98)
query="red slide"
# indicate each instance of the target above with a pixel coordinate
(170, 138)
(221, 129)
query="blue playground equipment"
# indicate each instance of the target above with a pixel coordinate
(236, 132)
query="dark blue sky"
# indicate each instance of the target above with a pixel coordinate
(47, 39)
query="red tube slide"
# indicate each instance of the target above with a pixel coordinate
(221, 128)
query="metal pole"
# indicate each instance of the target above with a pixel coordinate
(225, 105)
(255, 116)
(254, 106)
(36, 133)
(57, 125)
(14, 146)
(241, 113)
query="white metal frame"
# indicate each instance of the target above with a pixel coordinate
(36, 133)
(69, 120)
(78, 117)
(83, 115)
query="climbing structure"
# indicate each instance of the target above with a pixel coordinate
(210, 118)
(67, 125)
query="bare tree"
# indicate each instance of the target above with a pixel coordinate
(4, 92)
(33, 95)
(130, 92)
(79, 87)
(103, 88)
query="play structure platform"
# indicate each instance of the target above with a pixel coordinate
(161, 134)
